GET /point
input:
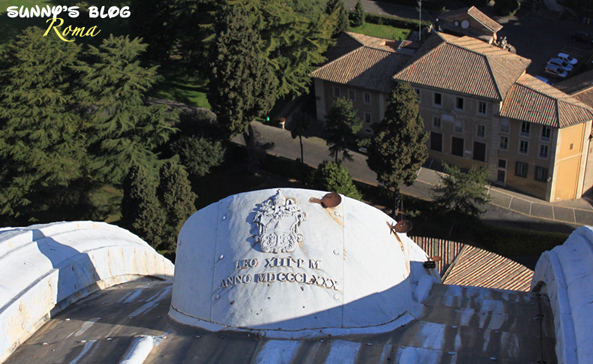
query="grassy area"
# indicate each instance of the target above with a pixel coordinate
(382, 31)
(179, 87)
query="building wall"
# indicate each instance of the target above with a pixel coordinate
(326, 94)
(453, 124)
(570, 162)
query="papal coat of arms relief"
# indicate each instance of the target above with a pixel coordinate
(278, 219)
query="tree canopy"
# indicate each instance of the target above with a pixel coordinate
(463, 193)
(42, 144)
(342, 124)
(398, 147)
(123, 130)
(242, 85)
(338, 9)
(334, 177)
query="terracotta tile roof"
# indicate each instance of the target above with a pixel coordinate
(537, 102)
(447, 250)
(465, 65)
(480, 17)
(481, 268)
(368, 66)
(580, 87)
(463, 264)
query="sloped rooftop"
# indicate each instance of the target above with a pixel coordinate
(476, 14)
(463, 264)
(369, 66)
(465, 65)
(537, 102)
(580, 87)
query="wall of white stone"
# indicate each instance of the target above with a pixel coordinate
(45, 268)
(565, 274)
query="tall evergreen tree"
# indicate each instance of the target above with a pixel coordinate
(342, 123)
(177, 199)
(338, 8)
(359, 14)
(124, 131)
(398, 147)
(242, 84)
(140, 208)
(42, 148)
(334, 177)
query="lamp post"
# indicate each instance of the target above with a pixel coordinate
(419, 8)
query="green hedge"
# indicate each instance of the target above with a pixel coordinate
(437, 5)
(392, 21)
(511, 241)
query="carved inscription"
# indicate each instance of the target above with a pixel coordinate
(281, 277)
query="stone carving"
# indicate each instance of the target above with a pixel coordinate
(278, 219)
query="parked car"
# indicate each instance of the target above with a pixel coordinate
(555, 71)
(543, 79)
(567, 58)
(581, 36)
(560, 63)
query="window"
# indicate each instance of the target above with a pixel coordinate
(479, 152)
(505, 126)
(502, 163)
(458, 127)
(482, 108)
(525, 129)
(546, 133)
(352, 95)
(336, 91)
(438, 99)
(523, 146)
(541, 174)
(368, 117)
(521, 169)
(366, 98)
(457, 146)
(459, 103)
(481, 131)
(436, 141)
(543, 151)
(436, 122)
(504, 143)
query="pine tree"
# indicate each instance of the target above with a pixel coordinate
(359, 14)
(463, 194)
(342, 123)
(398, 147)
(141, 210)
(42, 147)
(334, 177)
(123, 130)
(242, 85)
(176, 198)
(338, 8)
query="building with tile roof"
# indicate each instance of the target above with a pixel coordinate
(469, 21)
(479, 106)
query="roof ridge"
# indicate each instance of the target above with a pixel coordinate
(454, 262)
(481, 22)
(494, 78)
(339, 58)
(576, 102)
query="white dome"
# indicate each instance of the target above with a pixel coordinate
(271, 260)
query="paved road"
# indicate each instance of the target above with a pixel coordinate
(507, 207)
